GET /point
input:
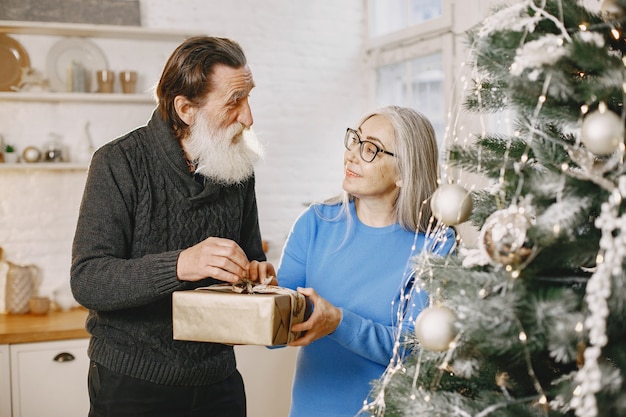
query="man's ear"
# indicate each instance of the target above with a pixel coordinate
(185, 109)
(399, 183)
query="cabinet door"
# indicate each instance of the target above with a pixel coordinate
(5, 382)
(50, 379)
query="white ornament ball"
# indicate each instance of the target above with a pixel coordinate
(602, 132)
(434, 328)
(451, 204)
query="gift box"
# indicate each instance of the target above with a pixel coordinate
(229, 314)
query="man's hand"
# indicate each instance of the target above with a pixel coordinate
(323, 321)
(214, 257)
(259, 271)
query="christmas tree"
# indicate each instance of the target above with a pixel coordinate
(530, 321)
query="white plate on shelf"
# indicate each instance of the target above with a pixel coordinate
(69, 50)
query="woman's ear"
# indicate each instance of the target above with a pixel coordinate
(185, 109)
(399, 183)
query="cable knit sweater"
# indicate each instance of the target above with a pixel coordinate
(141, 207)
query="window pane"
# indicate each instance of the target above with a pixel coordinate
(423, 10)
(388, 16)
(391, 85)
(427, 88)
(417, 83)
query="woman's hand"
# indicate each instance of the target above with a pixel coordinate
(324, 320)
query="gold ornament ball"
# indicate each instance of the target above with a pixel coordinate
(434, 328)
(451, 204)
(602, 132)
(504, 239)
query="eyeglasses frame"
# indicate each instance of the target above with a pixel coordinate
(361, 142)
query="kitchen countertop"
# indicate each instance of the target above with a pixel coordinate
(56, 325)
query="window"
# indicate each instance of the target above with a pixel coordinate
(388, 16)
(410, 54)
(416, 83)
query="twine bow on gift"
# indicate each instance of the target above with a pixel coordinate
(245, 286)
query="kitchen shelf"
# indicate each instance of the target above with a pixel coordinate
(44, 166)
(90, 30)
(76, 97)
(134, 34)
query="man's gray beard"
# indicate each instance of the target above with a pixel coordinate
(226, 156)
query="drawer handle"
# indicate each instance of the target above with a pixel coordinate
(64, 357)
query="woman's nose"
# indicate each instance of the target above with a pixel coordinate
(352, 154)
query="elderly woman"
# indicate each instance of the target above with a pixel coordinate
(350, 257)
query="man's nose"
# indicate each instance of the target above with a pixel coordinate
(245, 115)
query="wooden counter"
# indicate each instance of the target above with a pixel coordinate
(56, 325)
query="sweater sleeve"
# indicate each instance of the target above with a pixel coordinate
(104, 276)
(372, 340)
(292, 269)
(376, 341)
(250, 240)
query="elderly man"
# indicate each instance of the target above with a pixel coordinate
(170, 206)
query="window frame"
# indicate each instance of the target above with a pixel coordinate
(411, 49)
(423, 30)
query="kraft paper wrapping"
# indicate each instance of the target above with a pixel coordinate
(223, 314)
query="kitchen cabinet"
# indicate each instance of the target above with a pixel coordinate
(38, 378)
(144, 50)
(5, 382)
(46, 379)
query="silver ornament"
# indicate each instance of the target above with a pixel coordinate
(504, 239)
(602, 132)
(451, 204)
(611, 10)
(435, 328)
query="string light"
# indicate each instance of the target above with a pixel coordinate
(599, 258)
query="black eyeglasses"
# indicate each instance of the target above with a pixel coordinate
(368, 150)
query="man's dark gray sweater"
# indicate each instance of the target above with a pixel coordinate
(140, 209)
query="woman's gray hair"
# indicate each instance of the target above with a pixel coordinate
(417, 161)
